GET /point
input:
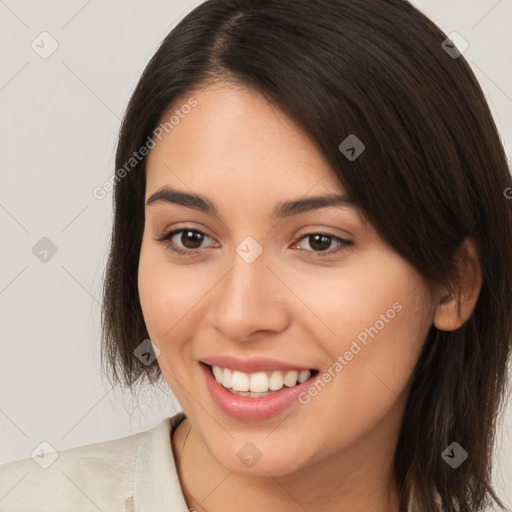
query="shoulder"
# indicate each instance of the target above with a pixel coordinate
(71, 477)
(91, 477)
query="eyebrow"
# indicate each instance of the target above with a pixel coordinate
(281, 210)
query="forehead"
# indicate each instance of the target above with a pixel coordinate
(234, 138)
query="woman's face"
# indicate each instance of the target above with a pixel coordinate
(267, 291)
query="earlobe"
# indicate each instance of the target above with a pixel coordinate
(453, 309)
(447, 317)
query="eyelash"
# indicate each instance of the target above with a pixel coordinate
(166, 239)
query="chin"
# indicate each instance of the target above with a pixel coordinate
(245, 458)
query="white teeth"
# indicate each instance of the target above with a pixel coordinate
(240, 381)
(227, 378)
(217, 373)
(304, 376)
(276, 381)
(260, 383)
(290, 379)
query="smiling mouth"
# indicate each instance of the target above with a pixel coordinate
(259, 384)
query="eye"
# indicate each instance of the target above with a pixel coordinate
(320, 243)
(188, 241)
(191, 240)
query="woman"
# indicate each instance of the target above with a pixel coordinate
(312, 246)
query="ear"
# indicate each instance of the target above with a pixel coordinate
(453, 309)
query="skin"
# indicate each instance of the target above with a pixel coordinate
(336, 452)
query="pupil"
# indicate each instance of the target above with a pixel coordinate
(191, 236)
(320, 245)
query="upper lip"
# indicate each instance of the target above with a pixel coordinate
(253, 364)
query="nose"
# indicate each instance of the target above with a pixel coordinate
(250, 302)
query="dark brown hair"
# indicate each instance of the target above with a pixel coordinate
(433, 172)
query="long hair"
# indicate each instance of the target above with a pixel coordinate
(433, 172)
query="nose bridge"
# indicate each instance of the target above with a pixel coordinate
(248, 298)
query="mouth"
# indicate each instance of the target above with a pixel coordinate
(252, 397)
(258, 384)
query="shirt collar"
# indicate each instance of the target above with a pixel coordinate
(156, 482)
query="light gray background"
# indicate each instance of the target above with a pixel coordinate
(60, 120)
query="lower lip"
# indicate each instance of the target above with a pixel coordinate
(252, 409)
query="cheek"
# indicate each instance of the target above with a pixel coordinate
(173, 300)
(370, 326)
(166, 295)
(378, 297)
(369, 300)
(169, 299)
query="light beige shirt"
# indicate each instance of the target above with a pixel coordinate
(136, 473)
